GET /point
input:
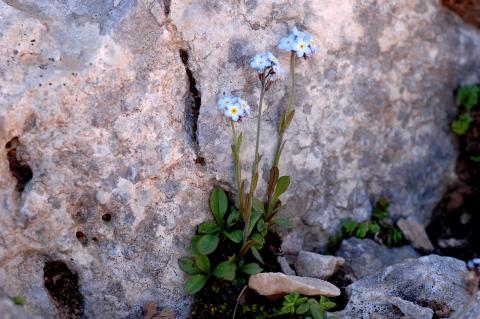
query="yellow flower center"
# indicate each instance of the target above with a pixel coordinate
(234, 110)
(301, 46)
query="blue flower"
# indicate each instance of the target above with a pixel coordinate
(234, 112)
(302, 48)
(270, 57)
(243, 106)
(286, 44)
(300, 42)
(225, 102)
(260, 62)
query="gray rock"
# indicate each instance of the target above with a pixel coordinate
(315, 265)
(419, 288)
(415, 233)
(285, 266)
(100, 100)
(277, 283)
(364, 257)
(8, 310)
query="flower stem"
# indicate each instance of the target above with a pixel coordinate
(254, 179)
(283, 124)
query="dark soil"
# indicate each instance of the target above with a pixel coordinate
(455, 226)
(62, 285)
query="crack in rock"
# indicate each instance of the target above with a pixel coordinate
(193, 102)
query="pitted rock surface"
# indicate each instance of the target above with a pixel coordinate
(102, 105)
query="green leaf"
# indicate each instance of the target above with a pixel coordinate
(236, 236)
(192, 249)
(254, 217)
(18, 300)
(232, 218)
(282, 186)
(218, 204)
(262, 227)
(195, 284)
(326, 304)
(187, 265)
(251, 269)
(282, 222)
(475, 159)
(257, 255)
(203, 264)
(258, 239)
(292, 297)
(258, 205)
(239, 141)
(461, 125)
(316, 311)
(468, 96)
(362, 230)
(225, 270)
(302, 309)
(208, 228)
(349, 226)
(207, 244)
(299, 301)
(380, 210)
(374, 228)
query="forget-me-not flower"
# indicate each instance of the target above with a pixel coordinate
(300, 42)
(260, 62)
(243, 106)
(225, 102)
(234, 107)
(234, 112)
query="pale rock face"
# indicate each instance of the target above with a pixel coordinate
(106, 118)
(318, 266)
(416, 288)
(364, 257)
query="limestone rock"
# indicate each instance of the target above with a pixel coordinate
(269, 284)
(415, 233)
(315, 265)
(8, 310)
(364, 257)
(285, 266)
(112, 107)
(418, 288)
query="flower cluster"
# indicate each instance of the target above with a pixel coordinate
(300, 42)
(234, 107)
(267, 66)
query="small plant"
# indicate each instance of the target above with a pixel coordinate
(468, 97)
(377, 228)
(18, 300)
(242, 224)
(294, 304)
(206, 242)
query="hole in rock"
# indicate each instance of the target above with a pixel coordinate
(107, 217)
(62, 285)
(166, 7)
(193, 102)
(19, 168)
(82, 238)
